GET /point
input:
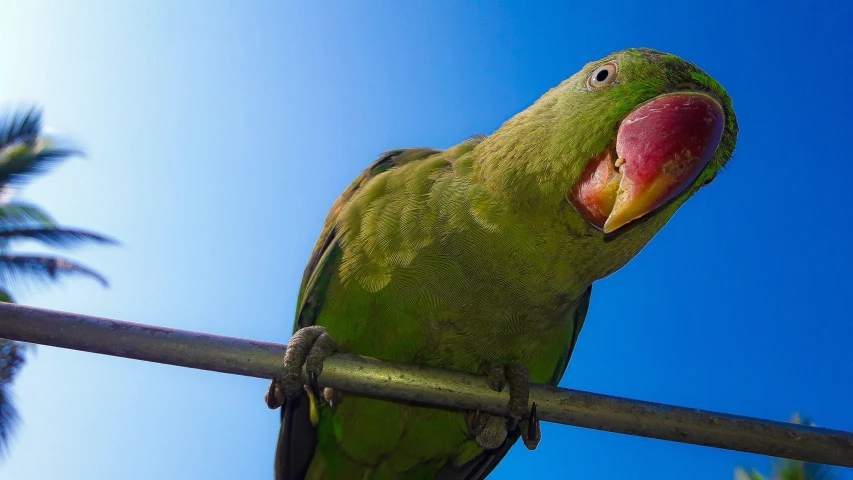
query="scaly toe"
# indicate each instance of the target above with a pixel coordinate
(493, 433)
(490, 431)
(308, 347)
(496, 377)
(324, 346)
(333, 397)
(274, 397)
(518, 379)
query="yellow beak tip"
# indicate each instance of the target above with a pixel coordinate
(616, 221)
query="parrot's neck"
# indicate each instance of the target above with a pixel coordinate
(541, 209)
(517, 164)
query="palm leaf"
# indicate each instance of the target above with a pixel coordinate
(12, 358)
(786, 469)
(20, 126)
(21, 214)
(21, 161)
(8, 416)
(20, 268)
(55, 237)
(24, 151)
(741, 474)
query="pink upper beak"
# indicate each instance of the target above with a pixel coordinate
(661, 147)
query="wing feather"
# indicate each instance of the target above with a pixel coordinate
(297, 438)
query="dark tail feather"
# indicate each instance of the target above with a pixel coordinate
(481, 465)
(297, 440)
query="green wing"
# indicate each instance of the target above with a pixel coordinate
(321, 265)
(578, 316)
(297, 438)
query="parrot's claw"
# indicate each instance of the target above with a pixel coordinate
(312, 383)
(308, 347)
(490, 431)
(530, 431)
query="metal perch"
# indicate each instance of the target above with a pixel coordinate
(414, 383)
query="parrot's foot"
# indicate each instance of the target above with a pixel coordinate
(490, 431)
(308, 347)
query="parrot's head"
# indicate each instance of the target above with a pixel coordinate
(617, 148)
(666, 128)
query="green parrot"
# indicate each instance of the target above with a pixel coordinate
(480, 258)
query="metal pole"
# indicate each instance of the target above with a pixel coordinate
(427, 385)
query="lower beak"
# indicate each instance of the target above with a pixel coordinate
(661, 147)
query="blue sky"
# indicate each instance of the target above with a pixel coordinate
(219, 133)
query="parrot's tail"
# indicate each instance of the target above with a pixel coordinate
(480, 466)
(297, 440)
(297, 458)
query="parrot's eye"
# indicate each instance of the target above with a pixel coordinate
(603, 76)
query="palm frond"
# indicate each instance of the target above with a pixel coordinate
(21, 268)
(742, 474)
(818, 471)
(12, 358)
(55, 237)
(796, 470)
(22, 125)
(21, 161)
(24, 150)
(22, 214)
(786, 469)
(9, 418)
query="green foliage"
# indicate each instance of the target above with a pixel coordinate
(12, 357)
(25, 152)
(784, 469)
